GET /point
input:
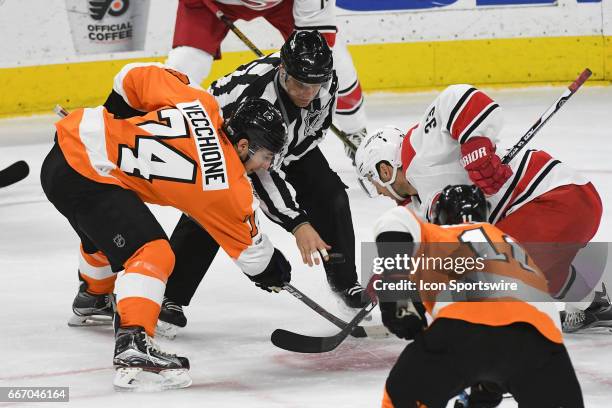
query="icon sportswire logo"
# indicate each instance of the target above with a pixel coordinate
(99, 8)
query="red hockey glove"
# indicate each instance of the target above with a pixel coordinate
(483, 166)
(330, 39)
(369, 290)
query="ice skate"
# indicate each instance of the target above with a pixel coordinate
(142, 366)
(352, 299)
(171, 319)
(597, 315)
(91, 310)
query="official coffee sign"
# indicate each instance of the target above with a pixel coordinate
(102, 26)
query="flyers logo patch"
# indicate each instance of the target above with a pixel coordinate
(115, 8)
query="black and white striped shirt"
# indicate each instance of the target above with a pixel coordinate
(306, 128)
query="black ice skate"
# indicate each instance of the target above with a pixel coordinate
(142, 366)
(91, 310)
(597, 315)
(171, 319)
(352, 297)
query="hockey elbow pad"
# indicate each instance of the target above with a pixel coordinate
(276, 274)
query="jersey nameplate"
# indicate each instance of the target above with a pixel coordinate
(210, 153)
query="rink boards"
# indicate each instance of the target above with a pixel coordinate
(461, 42)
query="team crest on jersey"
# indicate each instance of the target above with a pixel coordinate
(314, 121)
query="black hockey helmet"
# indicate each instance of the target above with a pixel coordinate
(307, 57)
(258, 121)
(459, 204)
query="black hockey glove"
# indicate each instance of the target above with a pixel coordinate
(276, 274)
(485, 395)
(405, 319)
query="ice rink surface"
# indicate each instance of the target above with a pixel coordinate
(230, 320)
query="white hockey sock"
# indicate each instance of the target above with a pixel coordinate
(193, 62)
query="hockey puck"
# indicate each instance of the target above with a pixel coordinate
(336, 258)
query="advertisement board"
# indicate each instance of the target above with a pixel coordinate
(101, 26)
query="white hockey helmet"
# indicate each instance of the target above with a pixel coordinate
(384, 144)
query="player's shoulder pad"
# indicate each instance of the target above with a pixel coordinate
(123, 73)
(128, 67)
(398, 219)
(450, 96)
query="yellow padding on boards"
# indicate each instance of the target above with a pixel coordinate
(495, 61)
(608, 59)
(391, 66)
(38, 89)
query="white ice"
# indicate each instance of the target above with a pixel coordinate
(230, 321)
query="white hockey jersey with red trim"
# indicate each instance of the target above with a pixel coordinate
(431, 152)
(317, 15)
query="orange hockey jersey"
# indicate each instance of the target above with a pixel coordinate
(174, 155)
(502, 286)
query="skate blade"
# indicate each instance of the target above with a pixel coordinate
(166, 330)
(96, 320)
(135, 379)
(594, 329)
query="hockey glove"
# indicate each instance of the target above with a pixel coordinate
(484, 167)
(276, 274)
(485, 395)
(405, 319)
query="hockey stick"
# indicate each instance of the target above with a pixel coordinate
(14, 173)
(60, 111)
(359, 331)
(232, 26)
(373, 332)
(336, 321)
(300, 343)
(209, 3)
(547, 115)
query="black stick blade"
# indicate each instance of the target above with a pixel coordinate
(309, 344)
(14, 173)
(300, 343)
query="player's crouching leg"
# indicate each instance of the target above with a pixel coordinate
(409, 382)
(141, 365)
(93, 304)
